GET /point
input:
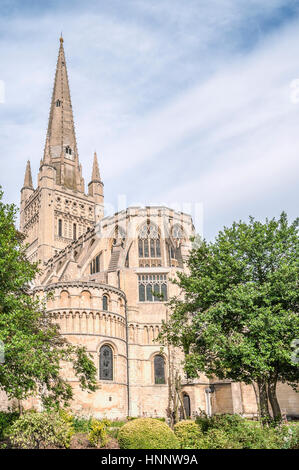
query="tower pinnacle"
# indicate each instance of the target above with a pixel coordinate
(95, 169)
(28, 177)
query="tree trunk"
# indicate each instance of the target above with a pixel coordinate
(273, 399)
(257, 398)
(178, 388)
(20, 407)
(263, 399)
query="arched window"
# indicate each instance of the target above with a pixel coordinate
(58, 103)
(127, 262)
(187, 405)
(60, 228)
(152, 287)
(177, 232)
(174, 246)
(74, 231)
(95, 265)
(68, 150)
(105, 302)
(106, 363)
(149, 245)
(159, 369)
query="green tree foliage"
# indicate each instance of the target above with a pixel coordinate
(238, 313)
(34, 349)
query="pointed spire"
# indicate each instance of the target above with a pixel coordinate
(95, 169)
(28, 177)
(61, 144)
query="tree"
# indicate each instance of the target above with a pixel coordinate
(238, 312)
(34, 350)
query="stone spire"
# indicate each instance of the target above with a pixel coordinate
(28, 177)
(95, 187)
(95, 169)
(61, 146)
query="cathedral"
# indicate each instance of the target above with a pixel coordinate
(110, 279)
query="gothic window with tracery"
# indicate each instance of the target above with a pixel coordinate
(174, 246)
(149, 246)
(106, 363)
(177, 232)
(152, 287)
(58, 103)
(159, 369)
(95, 265)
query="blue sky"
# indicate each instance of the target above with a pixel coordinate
(186, 103)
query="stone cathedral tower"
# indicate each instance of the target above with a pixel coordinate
(49, 219)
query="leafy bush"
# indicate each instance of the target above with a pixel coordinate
(234, 432)
(6, 420)
(224, 421)
(188, 434)
(35, 430)
(98, 432)
(203, 421)
(289, 435)
(82, 424)
(147, 433)
(218, 439)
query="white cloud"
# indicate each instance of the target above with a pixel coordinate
(169, 86)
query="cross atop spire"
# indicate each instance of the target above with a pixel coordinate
(61, 146)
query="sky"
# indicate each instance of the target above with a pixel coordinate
(193, 104)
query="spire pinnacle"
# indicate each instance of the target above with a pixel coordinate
(61, 145)
(95, 169)
(28, 177)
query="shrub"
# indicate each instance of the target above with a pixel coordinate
(202, 420)
(98, 432)
(147, 433)
(6, 420)
(289, 436)
(218, 439)
(35, 430)
(82, 424)
(224, 421)
(234, 432)
(188, 434)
